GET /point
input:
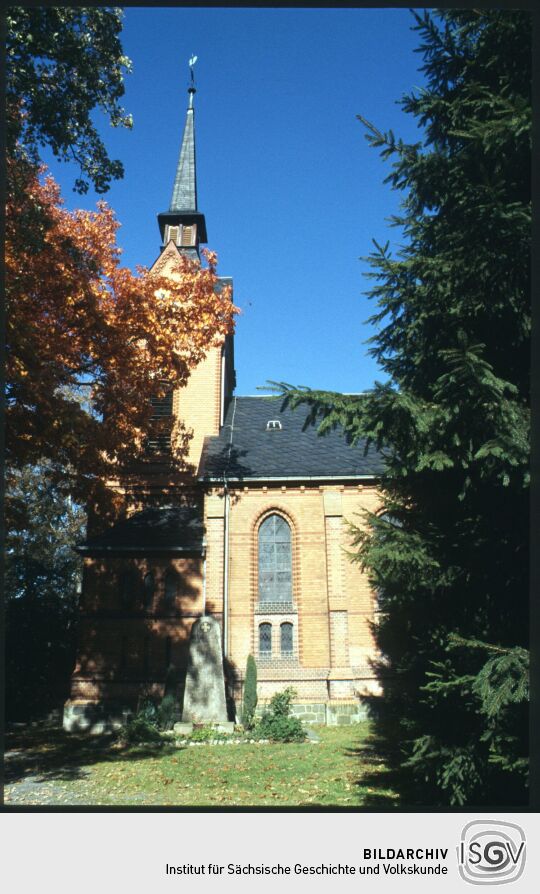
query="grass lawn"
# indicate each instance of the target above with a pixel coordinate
(50, 767)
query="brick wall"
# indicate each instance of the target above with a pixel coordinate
(124, 650)
(332, 600)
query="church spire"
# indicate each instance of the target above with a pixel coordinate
(183, 223)
(184, 194)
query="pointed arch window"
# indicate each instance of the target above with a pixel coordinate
(275, 560)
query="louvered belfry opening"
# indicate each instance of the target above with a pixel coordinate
(161, 422)
(162, 406)
(183, 235)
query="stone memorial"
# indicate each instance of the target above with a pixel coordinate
(204, 695)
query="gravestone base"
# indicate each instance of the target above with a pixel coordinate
(224, 726)
(183, 729)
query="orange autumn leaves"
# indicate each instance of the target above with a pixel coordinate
(88, 341)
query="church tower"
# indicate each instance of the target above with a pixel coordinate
(200, 406)
(144, 579)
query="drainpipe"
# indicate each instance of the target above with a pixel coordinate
(226, 546)
(226, 572)
(204, 579)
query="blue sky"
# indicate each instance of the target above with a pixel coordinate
(291, 190)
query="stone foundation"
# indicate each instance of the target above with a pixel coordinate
(94, 718)
(97, 719)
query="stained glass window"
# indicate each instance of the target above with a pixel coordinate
(286, 637)
(275, 578)
(265, 639)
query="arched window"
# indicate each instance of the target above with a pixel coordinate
(171, 588)
(265, 639)
(286, 638)
(275, 565)
(149, 587)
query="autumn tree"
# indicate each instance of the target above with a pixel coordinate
(447, 554)
(90, 343)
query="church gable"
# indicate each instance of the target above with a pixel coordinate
(165, 263)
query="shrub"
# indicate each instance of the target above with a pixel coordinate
(147, 709)
(166, 712)
(277, 723)
(250, 693)
(206, 734)
(140, 729)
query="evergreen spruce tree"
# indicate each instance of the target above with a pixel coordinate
(447, 554)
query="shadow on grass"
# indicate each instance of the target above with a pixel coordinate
(382, 785)
(52, 754)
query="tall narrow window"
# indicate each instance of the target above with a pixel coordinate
(149, 587)
(265, 639)
(286, 638)
(162, 406)
(275, 574)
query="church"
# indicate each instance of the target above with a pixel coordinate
(253, 532)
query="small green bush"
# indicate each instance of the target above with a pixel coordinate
(250, 693)
(166, 712)
(147, 709)
(277, 723)
(139, 730)
(206, 734)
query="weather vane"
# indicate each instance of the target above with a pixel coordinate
(192, 62)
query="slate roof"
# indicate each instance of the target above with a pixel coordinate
(184, 194)
(245, 449)
(175, 529)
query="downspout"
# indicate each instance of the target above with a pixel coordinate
(226, 572)
(204, 579)
(226, 546)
